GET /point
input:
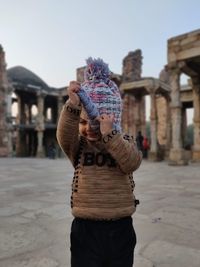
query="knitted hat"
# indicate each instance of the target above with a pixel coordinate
(98, 94)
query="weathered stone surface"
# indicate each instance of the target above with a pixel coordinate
(35, 215)
(169, 254)
(5, 141)
(132, 66)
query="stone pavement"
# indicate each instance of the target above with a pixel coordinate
(35, 214)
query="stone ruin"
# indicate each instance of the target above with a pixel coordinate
(132, 66)
(168, 104)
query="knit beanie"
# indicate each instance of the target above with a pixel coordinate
(98, 94)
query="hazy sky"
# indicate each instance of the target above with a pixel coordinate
(54, 37)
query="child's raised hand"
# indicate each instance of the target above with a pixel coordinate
(106, 123)
(72, 90)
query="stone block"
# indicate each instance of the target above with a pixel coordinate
(189, 40)
(193, 52)
(196, 155)
(177, 157)
(3, 152)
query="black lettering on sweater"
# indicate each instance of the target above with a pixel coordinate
(99, 159)
(88, 159)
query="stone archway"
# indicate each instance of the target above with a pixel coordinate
(184, 57)
(134, 109)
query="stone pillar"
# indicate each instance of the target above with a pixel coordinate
(153, 154)
(176, 155)
(128, 113)
(125, 113)
(40, 124)
(131, 103)
(142, 115)
(3, 133)
(184, 126)
(60, 105)
(20, 139)
(9, 121)
(137, 115)
(5, 110)
(168, 130)
(196, 120)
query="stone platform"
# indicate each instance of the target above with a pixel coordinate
(35, 215)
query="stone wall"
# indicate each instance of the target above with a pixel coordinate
(184, 46)
(5, 139)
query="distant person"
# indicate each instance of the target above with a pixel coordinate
(139, 141)
(146, 147)
(102, 201)
(52, 151)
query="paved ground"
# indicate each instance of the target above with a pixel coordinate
(35, 214)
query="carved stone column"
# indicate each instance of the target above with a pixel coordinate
(60, 105)
(3, 133)
(128, 114)
(142, 116)
(137, 112)
(153, 154)
(125, 113)
(20, 139)
(177, 155)
(9, 121)
(40, 124)
(5, 109)
(131, 119)
(196, 119)
(168, 131)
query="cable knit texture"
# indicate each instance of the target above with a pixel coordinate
(102, 187)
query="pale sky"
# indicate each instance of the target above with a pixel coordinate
(54, 37)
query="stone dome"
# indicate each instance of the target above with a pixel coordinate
(25, 77)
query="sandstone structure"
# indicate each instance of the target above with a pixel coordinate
(28, 134)
(5, 109)
(184, 57)
(31, 134)
(133, 119)
(132, 66)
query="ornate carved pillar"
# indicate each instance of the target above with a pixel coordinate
(184, 126)
(40, 124)
(5, 109)
(153, 155)
(20, 139)
(137, 115)
(142, 115)
(168, 130)
(125, 113)
(196, 119)
(128, 114)
(131, 103)
(60, 105)
(176, 156)
(9, 121)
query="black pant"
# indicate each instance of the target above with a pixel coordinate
(102, 243)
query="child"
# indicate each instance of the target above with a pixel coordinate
(102, 201)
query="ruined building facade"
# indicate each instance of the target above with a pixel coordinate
(5, 109)
(184, 57)
(31, 134)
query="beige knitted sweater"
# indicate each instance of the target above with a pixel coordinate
(102, 186)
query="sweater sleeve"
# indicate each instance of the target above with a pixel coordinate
(123, 150)
(68, 130)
